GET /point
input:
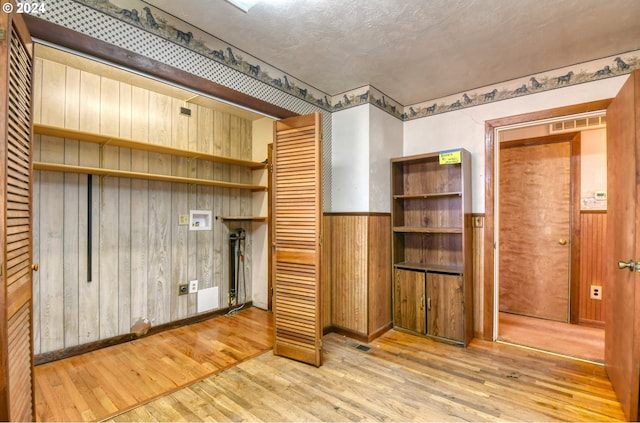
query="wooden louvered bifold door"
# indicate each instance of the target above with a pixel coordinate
(297, 211)
(16, 348)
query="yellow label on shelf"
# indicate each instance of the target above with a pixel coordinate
(450, 157)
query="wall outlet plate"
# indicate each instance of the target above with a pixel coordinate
(193, 287)
(183, 219)
(595, 292)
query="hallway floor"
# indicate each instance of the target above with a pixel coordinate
(583, 342)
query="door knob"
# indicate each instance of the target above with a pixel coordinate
(631, 265)
(562, 242)
(34, 267)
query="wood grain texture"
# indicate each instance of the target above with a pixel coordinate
(489, 181)
(403, 378)
(593, 271)
(16, 223)
(139, 252)
(357, 278)
(622, 330)
(432, 233)
(298, 238)
(478, 275)
(534, 215)
(96, 385)
(349, 277)
(409, 301)
(379, 290)
(577, 341)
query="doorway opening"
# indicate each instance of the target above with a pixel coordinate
(544, 263)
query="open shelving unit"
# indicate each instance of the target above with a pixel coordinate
(431, 244)
(105, 140)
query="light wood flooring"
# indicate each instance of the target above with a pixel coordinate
(583, 342)
(402, 378)
(100, 384)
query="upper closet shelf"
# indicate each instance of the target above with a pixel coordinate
(101, 171)
(55, 131)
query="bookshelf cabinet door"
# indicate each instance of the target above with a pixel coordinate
(445, 306)
(409, 303)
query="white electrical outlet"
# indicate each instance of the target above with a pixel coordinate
(596, 292)
(193, 287)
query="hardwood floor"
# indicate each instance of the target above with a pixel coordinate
(100, 384)
(402, 377)
(583, 342)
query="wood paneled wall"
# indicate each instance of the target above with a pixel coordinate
(478, 273)
(139, 252)
(593, 246)
(593, 226)
(357, 273)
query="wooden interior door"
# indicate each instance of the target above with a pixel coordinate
(297, 206)
(16, 347)
(622, 329)
(535, 229)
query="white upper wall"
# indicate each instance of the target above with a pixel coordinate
(385, 142)
(465, 127)
(364, 138)
(350, 160)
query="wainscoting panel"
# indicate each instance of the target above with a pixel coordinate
(593, 244)
(357, 273)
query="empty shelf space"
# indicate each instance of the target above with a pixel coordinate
(53, 167)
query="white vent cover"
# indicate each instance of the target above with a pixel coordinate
(579, 124)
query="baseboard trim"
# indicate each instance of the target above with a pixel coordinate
(358, 336)
(120, 339)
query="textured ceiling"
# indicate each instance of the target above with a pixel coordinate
(418, 50)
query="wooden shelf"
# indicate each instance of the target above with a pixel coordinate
(430, 267)
(241, 218)
(55, 131)
(415, 229)
(430, 195)
(53, 167)
(431, 246)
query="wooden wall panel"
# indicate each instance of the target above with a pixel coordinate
(139, 252)
(35, 192)
(349, 275)
(593, 243)
(124, 214)
(357, 269)
(379, 270)
(139, 205)
(478, 274)
(89, 155)
(51, 214)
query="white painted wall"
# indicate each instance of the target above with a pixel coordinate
(465, 128)
(385, 142)
(350, 160)
(593, 166)
(364, 138)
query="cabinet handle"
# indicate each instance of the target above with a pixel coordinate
(421, 303)
(429, 304)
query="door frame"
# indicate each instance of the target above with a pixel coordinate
(489, 303)
(573, 138)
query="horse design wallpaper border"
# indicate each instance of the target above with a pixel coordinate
(609, 67)
(145, 16)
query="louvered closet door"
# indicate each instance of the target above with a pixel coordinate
(16, 348)
(297, 208)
